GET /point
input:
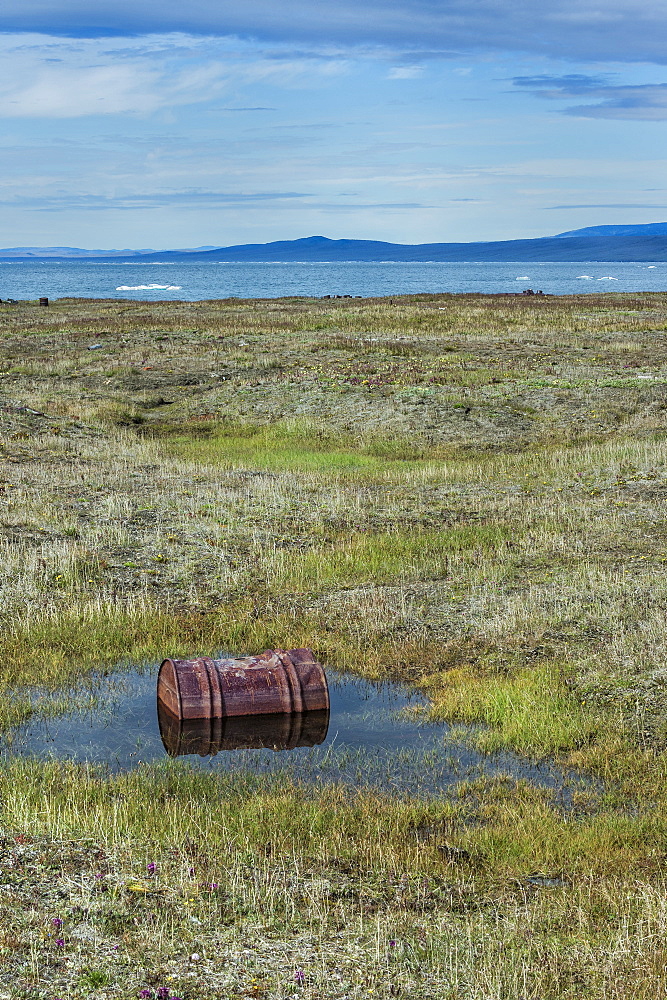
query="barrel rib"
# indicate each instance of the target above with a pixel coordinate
(293, 680)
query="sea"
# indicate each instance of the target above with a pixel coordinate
(192, 281)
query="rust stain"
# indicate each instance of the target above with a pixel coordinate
(273, 682)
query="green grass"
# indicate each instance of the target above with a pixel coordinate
(295, 447)
(531, 710)
(384, 558)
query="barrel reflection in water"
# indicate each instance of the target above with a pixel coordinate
(281, 731)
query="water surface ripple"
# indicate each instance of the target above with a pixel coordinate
(192, 281)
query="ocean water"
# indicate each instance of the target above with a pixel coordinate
(191, 281)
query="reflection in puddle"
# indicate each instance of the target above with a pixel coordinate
(207, 737)
(376, 736)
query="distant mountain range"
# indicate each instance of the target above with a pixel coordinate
(68, 253)
(595, 243)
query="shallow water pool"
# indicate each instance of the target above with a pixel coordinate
(377, 735)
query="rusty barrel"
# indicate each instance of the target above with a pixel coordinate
(275, 682)
(207, 737)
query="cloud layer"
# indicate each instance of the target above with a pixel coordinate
(388, 120)
(51, 78)
(620, 30)
(633, 102)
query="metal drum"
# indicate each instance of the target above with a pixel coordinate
(273, 683)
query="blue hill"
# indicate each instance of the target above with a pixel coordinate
(649, 229)
(595, 243)
(624, 247)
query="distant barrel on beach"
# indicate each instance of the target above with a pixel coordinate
(44, 301)
(276, 681)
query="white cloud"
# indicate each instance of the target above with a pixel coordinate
(404, 72)
(67, 79)
(66, 92)
(51, 78)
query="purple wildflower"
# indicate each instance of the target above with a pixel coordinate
(57, 922)
(145, 994)
(299, 976)
(60, 943)
(162, 993)
(392, 944)
(151, 868)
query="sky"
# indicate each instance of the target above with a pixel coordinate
(152, 123)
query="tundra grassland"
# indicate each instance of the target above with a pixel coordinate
(464, 493)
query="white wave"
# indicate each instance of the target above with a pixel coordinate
(140, 288)
(587, 277)
(651, 266)
(607, 277)
(523, 277)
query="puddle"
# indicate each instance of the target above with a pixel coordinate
(546, 881)
(373, 736)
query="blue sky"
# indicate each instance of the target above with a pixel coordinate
(163, 124)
